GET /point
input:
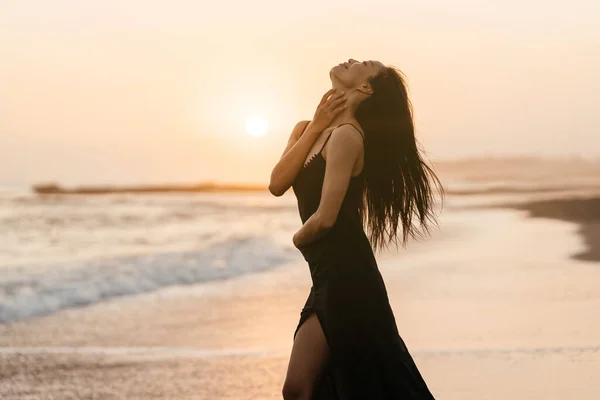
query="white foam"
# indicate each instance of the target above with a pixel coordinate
(69, 284)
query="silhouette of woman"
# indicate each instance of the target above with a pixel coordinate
(346, 345)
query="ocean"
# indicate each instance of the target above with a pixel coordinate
(63, 251)
(131, 296)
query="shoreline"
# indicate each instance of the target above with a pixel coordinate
(203, 187)
(584, 211)
(453, 188)
(464, 305)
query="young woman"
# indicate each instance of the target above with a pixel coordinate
(356, 161)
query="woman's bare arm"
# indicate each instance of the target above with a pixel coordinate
(344, 151)
(301, 141)
(296, 133)
(292, 160)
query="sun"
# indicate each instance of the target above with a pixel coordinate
(256, 126)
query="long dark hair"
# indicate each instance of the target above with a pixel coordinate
(398, 183)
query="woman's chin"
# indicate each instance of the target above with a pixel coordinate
(333, 74)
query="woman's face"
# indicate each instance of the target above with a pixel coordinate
(353, 73)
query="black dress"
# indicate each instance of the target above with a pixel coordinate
(369, 359)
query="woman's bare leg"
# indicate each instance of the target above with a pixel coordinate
(309, 356)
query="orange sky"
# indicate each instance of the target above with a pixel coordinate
(148, 91)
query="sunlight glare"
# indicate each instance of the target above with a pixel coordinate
(256, 126)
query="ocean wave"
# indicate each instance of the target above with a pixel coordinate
(69, 284)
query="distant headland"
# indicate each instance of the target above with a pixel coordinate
(54, 188)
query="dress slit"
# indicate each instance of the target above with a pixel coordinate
(324, 388)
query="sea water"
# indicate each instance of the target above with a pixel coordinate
(64, 251)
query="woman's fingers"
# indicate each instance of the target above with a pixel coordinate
(339, 109)
(326, 95)
(336, 95)
(337, 102)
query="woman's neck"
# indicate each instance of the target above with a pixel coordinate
(342, 118)
(347, 115)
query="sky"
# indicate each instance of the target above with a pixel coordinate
(154, 91)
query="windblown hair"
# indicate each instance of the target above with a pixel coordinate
(398, 183)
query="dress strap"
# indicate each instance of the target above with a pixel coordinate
(361, 134)
(324, 143)
(350, 123)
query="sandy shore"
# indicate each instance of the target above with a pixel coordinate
(584, 211)
(493, 306)
(540, 374)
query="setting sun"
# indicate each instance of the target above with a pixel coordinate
(256, 126)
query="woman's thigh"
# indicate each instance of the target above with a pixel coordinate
(310, 354)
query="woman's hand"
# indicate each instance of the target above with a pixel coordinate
(301, 140)
(332, 103)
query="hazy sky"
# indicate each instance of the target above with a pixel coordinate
(123, 91)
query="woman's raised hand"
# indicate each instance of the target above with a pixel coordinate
(332, 103)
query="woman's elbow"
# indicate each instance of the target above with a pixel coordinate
(276, 190)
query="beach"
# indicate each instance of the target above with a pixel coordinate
(154, 173)
(496, 304)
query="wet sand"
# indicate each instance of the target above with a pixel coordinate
(493, 306)
(584, 211)
(544, 374)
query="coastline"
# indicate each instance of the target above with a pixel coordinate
(584, 211)
(56, 189)
(492, 306)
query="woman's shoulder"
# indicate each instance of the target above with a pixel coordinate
(346, 132)
(301, 125)
(303, 122)
(349, 129)
(346, 138)
(299, 129)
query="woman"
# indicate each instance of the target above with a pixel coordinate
(346, 344)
